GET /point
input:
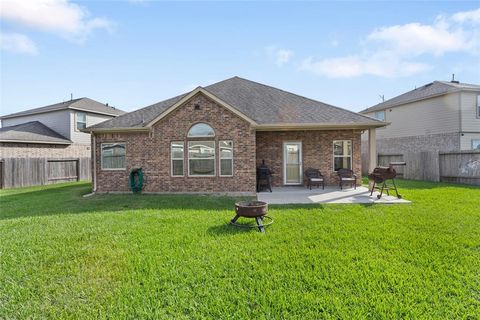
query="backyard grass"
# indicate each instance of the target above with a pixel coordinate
(144, 256)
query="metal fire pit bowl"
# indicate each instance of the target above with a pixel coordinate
(252, 209)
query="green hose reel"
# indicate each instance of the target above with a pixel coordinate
(135, 180)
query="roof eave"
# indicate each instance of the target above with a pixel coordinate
(118, 129)
(316, 126)
(38, 142)
(96, 112)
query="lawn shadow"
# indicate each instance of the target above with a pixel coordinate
(226, 229)
(68, 199)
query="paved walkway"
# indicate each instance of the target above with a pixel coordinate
(286, 195)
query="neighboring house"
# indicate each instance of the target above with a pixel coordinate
(52, 131)
(213, 138)
(439, 116)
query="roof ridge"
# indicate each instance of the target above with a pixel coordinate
(303, 97)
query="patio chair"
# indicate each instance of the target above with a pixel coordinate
(314, 177)
(347, 176)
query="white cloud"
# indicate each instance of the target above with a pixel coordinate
(279, 56)
(415, 39)
(390, 51)
(283, 56)
(467, 16)
(61, 17)
(355, 65)
(17, 43)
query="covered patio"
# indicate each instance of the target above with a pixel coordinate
(300, 194)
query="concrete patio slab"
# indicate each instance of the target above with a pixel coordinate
(291, 195)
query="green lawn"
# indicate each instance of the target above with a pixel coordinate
(145, 256)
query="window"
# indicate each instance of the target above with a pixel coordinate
(201, 130)
(176, 151)
(475, 144)
(226, 158)
(80, 120)
(201, 158)
(113, 156)
(342, 154)
(478, 106)
(380, 115)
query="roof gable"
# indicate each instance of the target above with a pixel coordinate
(187, 97)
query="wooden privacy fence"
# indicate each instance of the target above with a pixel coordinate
(24, 172)
(452, 166)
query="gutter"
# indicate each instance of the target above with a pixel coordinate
(35, 142)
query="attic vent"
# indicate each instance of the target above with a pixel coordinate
(196, 106)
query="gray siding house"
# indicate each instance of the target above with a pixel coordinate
(439, 116)
(53, 130)
(46, 145)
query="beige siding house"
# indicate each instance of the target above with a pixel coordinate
(439, 116)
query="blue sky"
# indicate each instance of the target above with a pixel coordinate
(135, 53)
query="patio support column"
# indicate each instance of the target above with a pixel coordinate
(372, 149)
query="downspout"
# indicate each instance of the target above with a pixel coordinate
(94, 165)
(460, 120)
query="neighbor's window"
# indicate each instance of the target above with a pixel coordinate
(113, 156)
(226, 158)
(201, 130)
(478, 106)
(475, 144)
(201, 158)
(81, 120)
(177, 158)
(380, 115)
(342, 154)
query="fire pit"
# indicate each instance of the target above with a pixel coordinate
(252, 209)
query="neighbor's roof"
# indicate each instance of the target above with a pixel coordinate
(82, 104)
(32, 132)
(429, 90)
(263, 104)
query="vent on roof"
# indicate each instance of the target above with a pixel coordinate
(453, 79)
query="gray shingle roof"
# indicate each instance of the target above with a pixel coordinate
(263, 104)
(33, 131)
(429, 90)
(86, 104)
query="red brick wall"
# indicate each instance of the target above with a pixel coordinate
(151, 151)
(317, 147)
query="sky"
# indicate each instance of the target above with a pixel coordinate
(134, 53)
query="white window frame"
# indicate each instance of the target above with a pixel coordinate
(220, 158)
(101, 157)
(214, 160)
(384, 115)
(474, 142)
(177, 159)
(76, 119)
(477, 111)
(343, 156)
(207, 136)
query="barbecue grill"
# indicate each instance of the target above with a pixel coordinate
(381, 175)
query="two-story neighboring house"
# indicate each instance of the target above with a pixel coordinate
(53, 131)
(439, 116)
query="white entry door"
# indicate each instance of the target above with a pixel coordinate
(292, 162)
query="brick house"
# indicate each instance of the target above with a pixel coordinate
(213, 138)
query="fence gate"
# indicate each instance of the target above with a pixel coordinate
(62, 170)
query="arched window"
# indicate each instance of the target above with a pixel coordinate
(201, 130)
